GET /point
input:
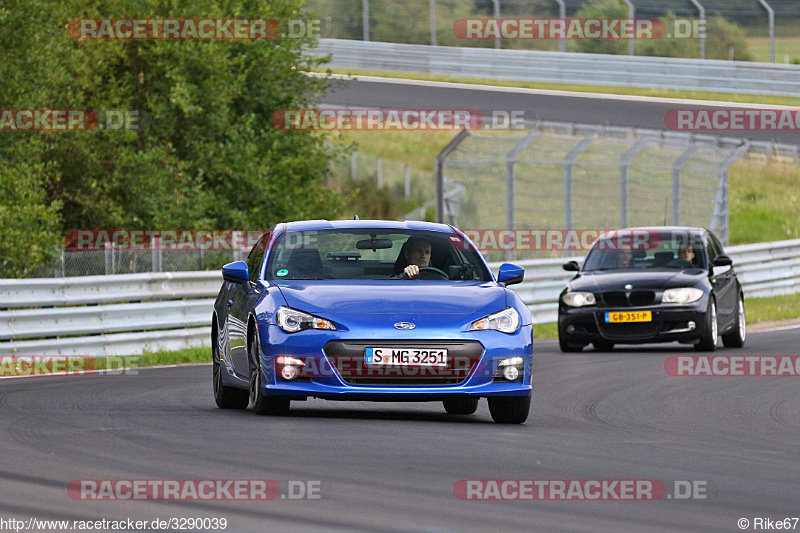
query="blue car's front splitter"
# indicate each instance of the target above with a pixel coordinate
(396, 394)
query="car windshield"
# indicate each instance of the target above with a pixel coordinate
(378, 253)
(648, 249)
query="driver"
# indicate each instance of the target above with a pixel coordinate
(685, 257)
(417, 254)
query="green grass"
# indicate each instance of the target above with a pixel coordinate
(578, 87)
(764, 202)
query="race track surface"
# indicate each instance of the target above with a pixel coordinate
(392, 467)
(611, 111)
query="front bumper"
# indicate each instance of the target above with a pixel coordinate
(669, 324)
(331, 380)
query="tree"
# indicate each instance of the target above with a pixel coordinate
(207, 157)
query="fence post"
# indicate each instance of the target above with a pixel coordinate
(365, 18)
(432, 5)
(568, 162)
(496, 16)
(676, 182)
(702, 12)
(407, 170)
(623, 178)
(511, 157)
(771, 14)
(562, 14)
(631, 15)
(719, 221)
(439, 172)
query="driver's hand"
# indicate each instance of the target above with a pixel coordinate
(411, 271)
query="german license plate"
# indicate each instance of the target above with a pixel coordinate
(405, 356)
(629, 316)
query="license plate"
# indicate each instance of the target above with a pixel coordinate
(406, 356)
(629, 316)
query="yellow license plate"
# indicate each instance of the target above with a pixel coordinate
(631, 316)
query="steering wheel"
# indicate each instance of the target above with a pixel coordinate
(434, 273)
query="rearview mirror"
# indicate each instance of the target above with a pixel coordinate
(236, 272)
(374, 244)
(510, 274)
(571, 266)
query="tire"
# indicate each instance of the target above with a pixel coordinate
(566, 346)
(462, 406)
(603, 346)
(510, 410)
(262, 404)
(708, 342)
(735, 338)
(225, 397)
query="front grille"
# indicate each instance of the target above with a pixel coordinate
(403, 381)
(629, 330)
(348, 359)
(633, 299)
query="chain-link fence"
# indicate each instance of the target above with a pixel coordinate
(567, 177)
(432, 22)
(113, 260)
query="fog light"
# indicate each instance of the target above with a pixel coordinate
(691, 324)
(570, 329)
(289, 373)
(511, 373)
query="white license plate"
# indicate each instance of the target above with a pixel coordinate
(406, 356)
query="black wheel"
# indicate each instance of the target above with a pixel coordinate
(708, 343)
(566, 346)
(603, 346)
(735, 338)
(510, 410)
(262, 404)
(225, 397)
(462, 406)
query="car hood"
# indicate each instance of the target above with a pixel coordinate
(654, 279)
(401, 297)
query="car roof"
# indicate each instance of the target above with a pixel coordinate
(662, 228)
(304, 225)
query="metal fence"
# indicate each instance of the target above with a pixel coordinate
(126, 314)
(567, 177)
(563, 67)
(431, 21)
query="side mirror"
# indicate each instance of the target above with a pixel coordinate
(236, 272)
(571, 266)
(510, 274)
(722, 260)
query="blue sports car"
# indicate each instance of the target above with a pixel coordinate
(371, 310)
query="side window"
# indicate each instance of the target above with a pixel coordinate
(714, 248)
(256, 255)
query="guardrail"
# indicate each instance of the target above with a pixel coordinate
(563, 67)
(129, 313)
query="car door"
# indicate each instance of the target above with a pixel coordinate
(722, 281)
(241, 298)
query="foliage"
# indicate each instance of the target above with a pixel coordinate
(207, 156)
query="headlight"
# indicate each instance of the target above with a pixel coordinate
(506, 321)
(578, 299)
(291, 320)
(684, 295)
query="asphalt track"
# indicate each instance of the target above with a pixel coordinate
(535, 105)
(392, 467)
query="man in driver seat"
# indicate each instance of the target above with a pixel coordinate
(417, 254)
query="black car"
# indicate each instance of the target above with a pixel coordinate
(659, 284)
